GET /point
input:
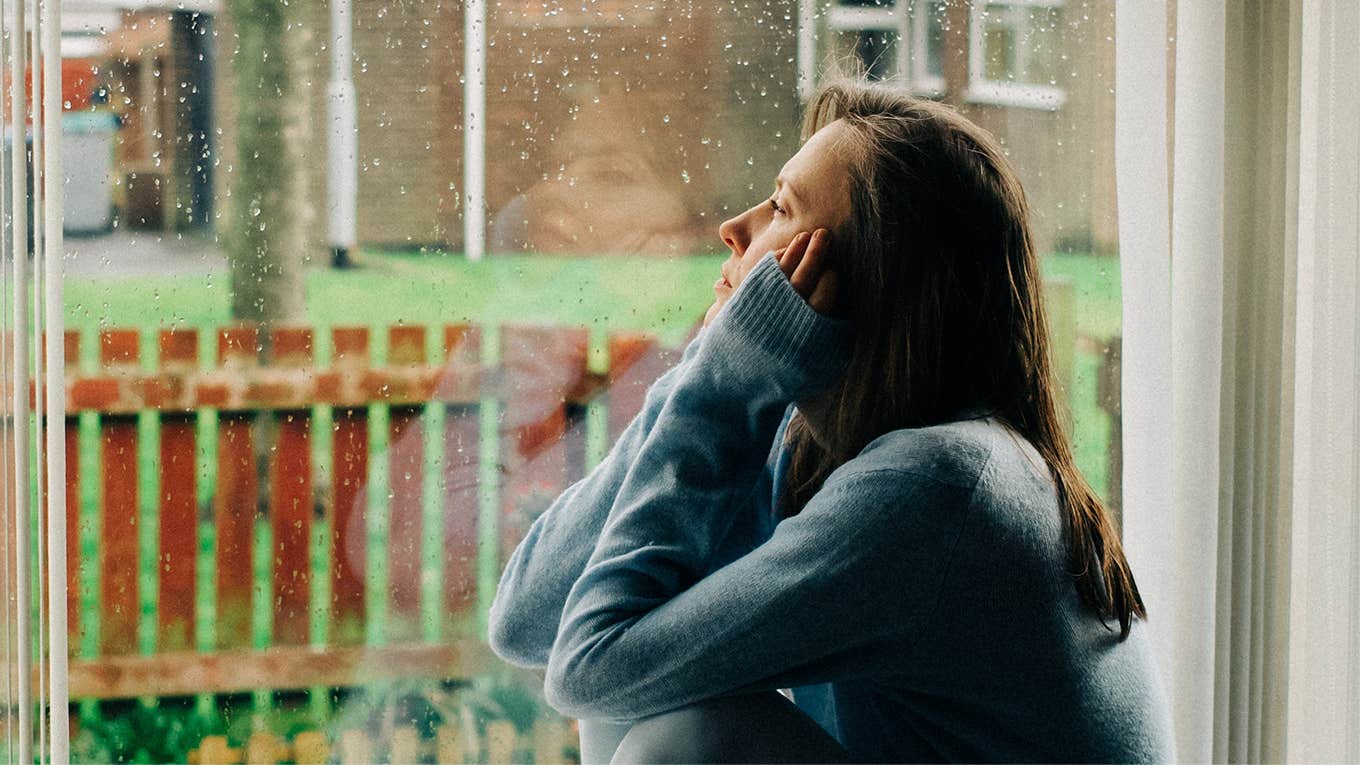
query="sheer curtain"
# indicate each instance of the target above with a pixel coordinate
(1236, 127)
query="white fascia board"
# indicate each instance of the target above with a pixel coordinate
(193, 6)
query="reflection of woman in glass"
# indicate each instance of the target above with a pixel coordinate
(854, 485)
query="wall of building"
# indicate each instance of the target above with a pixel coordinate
(637, 128)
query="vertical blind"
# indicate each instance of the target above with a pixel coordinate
(33, 362)
(1236, 163)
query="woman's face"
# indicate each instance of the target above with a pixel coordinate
(811, 192)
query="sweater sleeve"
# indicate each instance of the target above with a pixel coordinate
(644, 630)
(533, 585)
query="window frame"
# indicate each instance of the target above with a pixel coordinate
(922, 81)
(910, 26)
(982, 90)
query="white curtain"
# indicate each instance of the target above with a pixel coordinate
(1324, 590)
(1236, 162)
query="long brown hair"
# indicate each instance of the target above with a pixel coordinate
(939, 278)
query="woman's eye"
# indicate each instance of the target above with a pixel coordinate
(776, 207)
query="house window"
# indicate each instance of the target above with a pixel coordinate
(1014, 50)
(900, 40)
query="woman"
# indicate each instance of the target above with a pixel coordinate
(855, 485)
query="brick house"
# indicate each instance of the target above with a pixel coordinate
(631, 126)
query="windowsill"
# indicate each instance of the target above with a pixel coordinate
(854, 18)
(1042, 97)
(928, 87)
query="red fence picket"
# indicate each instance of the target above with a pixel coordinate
(72, 358)
(118, 533)
(349, 532)
(290, 498)
(460, 381)
(542, 368)
(406, 471)
(177, 561)
(237, 488)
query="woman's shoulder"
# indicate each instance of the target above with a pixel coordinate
(953, 453)
(975, 454)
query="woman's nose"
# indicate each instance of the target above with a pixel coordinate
(733, 234)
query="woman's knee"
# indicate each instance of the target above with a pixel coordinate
(764, 727)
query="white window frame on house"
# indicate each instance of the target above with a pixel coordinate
(922, 81)
(901, 18)
(1003, 92)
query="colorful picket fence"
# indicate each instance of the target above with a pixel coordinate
(264, 389)
(550, 741)
(266, 399)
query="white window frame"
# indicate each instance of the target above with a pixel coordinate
(922, 81)
(1000, 92)
(909, 25)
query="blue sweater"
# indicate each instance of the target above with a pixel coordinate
(918, 606)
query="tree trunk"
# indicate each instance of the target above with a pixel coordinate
(266, 232)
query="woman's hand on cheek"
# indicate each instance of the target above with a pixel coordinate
(806, 262)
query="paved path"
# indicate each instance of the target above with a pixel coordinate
(143, 253)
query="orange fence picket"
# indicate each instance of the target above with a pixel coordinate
(349, 533)
(462, 446)
(497, 742)
(290, 499)
(177, 558)
(118, 359)
(406, 471)
(237, 489)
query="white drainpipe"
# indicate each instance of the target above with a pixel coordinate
(342, 167)
(474, 129)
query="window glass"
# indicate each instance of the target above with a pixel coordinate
(931, 20)
(891, 40)
(322, 412)
(1021, 42)
(1016, 52)
(876, 49)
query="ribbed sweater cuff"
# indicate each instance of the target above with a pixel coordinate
(768, 331)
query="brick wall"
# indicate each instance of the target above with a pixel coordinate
(635, 127)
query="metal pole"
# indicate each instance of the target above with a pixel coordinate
(343, 144)
(19, 380)
(11, 421)
(474, 129)
(58, 697)
(37, 84)
(807, 48)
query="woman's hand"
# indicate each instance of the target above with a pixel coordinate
(804, 261)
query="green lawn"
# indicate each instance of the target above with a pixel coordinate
(664, 295)
(1095, 280)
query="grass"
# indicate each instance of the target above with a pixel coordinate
(1095, 282)
(663, 295)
